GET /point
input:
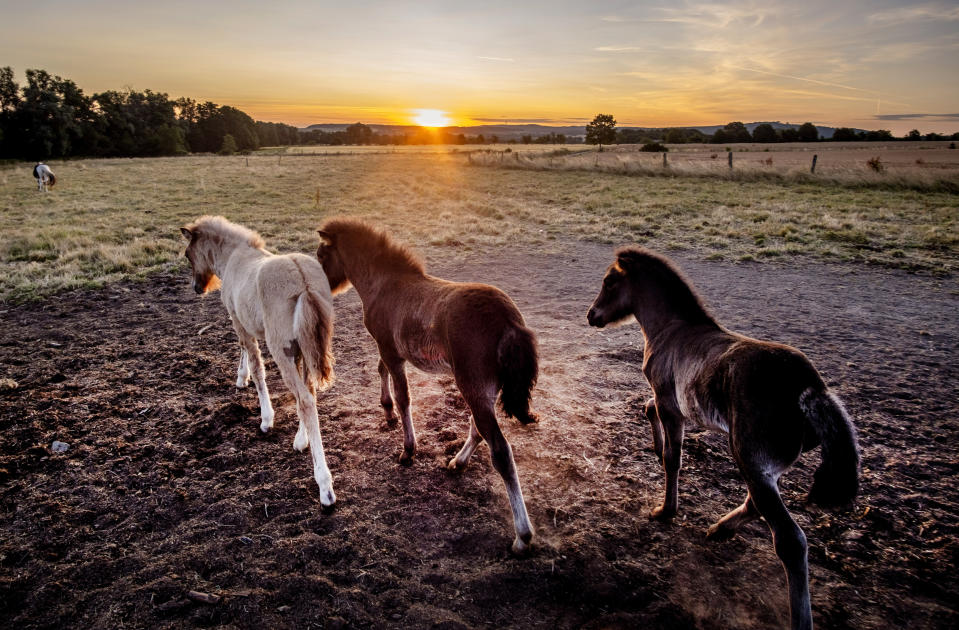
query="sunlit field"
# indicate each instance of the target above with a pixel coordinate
(112, 219)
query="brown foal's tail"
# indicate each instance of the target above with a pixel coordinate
(313, 327)
(517, 368)
(836, 481)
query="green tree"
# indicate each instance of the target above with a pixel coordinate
(675, 136)
(229, 145)
(765, 133)
(914, 135)
(844, 134)
(602, 130)
(808, 132)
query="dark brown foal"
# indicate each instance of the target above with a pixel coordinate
(767, 397)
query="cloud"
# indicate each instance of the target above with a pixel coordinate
(917, 116)
(505, 59)
(531, 121)
(620, 49)
(915, 14)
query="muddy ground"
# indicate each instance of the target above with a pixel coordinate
(169, 487)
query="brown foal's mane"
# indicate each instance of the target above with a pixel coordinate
(221, 229)
(640, 263)
(378, 246)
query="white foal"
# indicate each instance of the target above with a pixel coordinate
(44, 176)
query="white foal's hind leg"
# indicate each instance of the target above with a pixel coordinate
(302, 439)
(306, 411)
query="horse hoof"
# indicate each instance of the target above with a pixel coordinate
(520, 549)
(405, 459)
(300, 445)
(327, 500)
(662, 514)
(718, 533)
(391, 422)
(453, 467)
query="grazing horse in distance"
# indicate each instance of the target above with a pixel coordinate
(766, 396)
(285, 300)
(44, 176)
(472, 331)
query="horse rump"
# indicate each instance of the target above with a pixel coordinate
(517, 369)
(836, 481)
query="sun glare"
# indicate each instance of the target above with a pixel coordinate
(430, 118)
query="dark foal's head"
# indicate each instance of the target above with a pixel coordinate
(201, 259)
(643, 281)
(332, 262)
(614, 304)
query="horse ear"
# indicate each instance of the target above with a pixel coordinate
(187, 234)
(326, 236)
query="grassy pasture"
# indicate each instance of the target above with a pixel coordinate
(118, 218)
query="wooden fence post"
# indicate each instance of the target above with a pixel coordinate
(664, 160)
(730, 159)
(812, 169)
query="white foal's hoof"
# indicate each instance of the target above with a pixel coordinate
(267, 422)
(327, 498)
(301, 441)
(242, 382)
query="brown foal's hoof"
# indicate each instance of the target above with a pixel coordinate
(453, 468)
(406, 459)
(520, 549)
(719, 533)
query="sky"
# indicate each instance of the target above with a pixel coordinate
(856, 63)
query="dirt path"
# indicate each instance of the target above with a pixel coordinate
(168, 486)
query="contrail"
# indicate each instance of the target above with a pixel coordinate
(818, 82)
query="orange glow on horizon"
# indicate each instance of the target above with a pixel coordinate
(431, 118)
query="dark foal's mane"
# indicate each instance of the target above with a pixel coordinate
(639, 263)
(381, 249)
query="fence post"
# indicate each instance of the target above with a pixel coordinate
(812, 169)
(730, 159)
(664, 160)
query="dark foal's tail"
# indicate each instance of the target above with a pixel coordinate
(517, 369)
(836, 481)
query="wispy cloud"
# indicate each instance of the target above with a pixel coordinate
(924, 13)
(531, 121)
(806, 79)
(942, 117)
(620, 49)
(503, 59)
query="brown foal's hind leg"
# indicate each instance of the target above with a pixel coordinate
(462, 458)
(726, 527)
(501, 454)
(790, 544)
(673, 429)
(386, 398)
(401, 390)
(656, 426)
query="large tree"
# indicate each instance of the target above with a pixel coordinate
(765, 133)
(602, 130)
(808, 132)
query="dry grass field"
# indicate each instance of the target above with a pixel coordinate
(168, 489)
(113, 219)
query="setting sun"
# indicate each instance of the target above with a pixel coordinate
(430, 118)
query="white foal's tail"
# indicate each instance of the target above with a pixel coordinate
(313, 330)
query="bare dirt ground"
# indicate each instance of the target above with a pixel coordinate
(168, 486)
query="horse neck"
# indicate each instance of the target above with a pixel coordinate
(233, 254)
(659, 315)
(367, 277)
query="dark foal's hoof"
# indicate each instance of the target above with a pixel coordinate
(662, 514)
(328, 509)
(405, 459)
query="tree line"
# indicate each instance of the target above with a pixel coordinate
(601, 130)
(50, 117)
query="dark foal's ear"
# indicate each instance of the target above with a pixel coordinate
(326, 236)
(187, 234)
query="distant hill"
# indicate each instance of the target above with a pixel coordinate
(507, 132)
